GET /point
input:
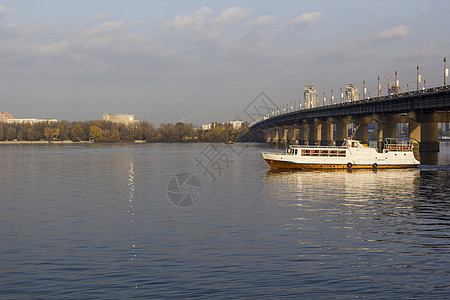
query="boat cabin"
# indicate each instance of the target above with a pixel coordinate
(353, 144)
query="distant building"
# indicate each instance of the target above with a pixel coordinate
(351, 92)
(31, 121)
(5, 116)
(444, 127)
(394, 88)
(120, 118)
(237, 124)
(206, 127)
(310, 97)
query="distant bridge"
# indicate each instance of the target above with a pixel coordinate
(422, 110)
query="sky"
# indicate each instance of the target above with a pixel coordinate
(206, 61)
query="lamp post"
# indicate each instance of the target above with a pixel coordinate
(418, 77)
(379, 86)
(445, 69)
(396, 82)
(364, 89)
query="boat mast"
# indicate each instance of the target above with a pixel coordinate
(355, 131)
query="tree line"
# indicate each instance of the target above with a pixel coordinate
(109, 132)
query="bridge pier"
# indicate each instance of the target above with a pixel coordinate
(285, 135)
(314, 132)
(414, 130)
(429, 143)
(281, 135)
(276, 137)
(414, 133)
(341, 131)
(292, 134)
(267, 135)
(303, 138)
(389, 127)
(362, 134)
(326, 136)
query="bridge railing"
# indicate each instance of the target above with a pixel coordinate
(293, 108)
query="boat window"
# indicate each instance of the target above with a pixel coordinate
(342, 153)
(323, 152)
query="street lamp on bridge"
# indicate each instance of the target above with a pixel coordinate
(379, 86)
(445, 69)
(418, 77)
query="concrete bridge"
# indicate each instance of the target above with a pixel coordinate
(422, 110)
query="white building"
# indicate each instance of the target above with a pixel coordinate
(310, 97)
(5, 116)
(120, 118)
(351, 92)
(237, 124)
(394, 88)
(206, 127)
(31, 121)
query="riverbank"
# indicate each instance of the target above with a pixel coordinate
(53, 142)
(40, 142)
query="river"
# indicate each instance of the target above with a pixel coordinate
(116, 221)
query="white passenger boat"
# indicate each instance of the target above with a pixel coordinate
(396, 153)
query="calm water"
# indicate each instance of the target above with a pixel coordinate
(96, 221)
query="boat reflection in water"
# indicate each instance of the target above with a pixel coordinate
(366, 227)
(395, 207)
(347, 185)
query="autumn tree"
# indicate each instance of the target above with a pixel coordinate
(76, 133)
(2, 133)
(96, 133)
(11, 133)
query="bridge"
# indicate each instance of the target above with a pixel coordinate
(422, 110)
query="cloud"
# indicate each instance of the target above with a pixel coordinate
(263, 21)
(393, 33)
(4, 11)
(426, 50)
(232, 15)
(196, 19)
(108, 27)
(362, 48)
(307, 19)
(99, 17)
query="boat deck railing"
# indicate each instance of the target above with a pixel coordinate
(399, 144)
(317, 146)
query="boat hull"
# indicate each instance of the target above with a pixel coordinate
(287, 165)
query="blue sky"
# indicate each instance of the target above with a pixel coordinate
(203, 61)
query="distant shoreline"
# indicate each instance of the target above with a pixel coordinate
(41, 142)
(56, 142)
